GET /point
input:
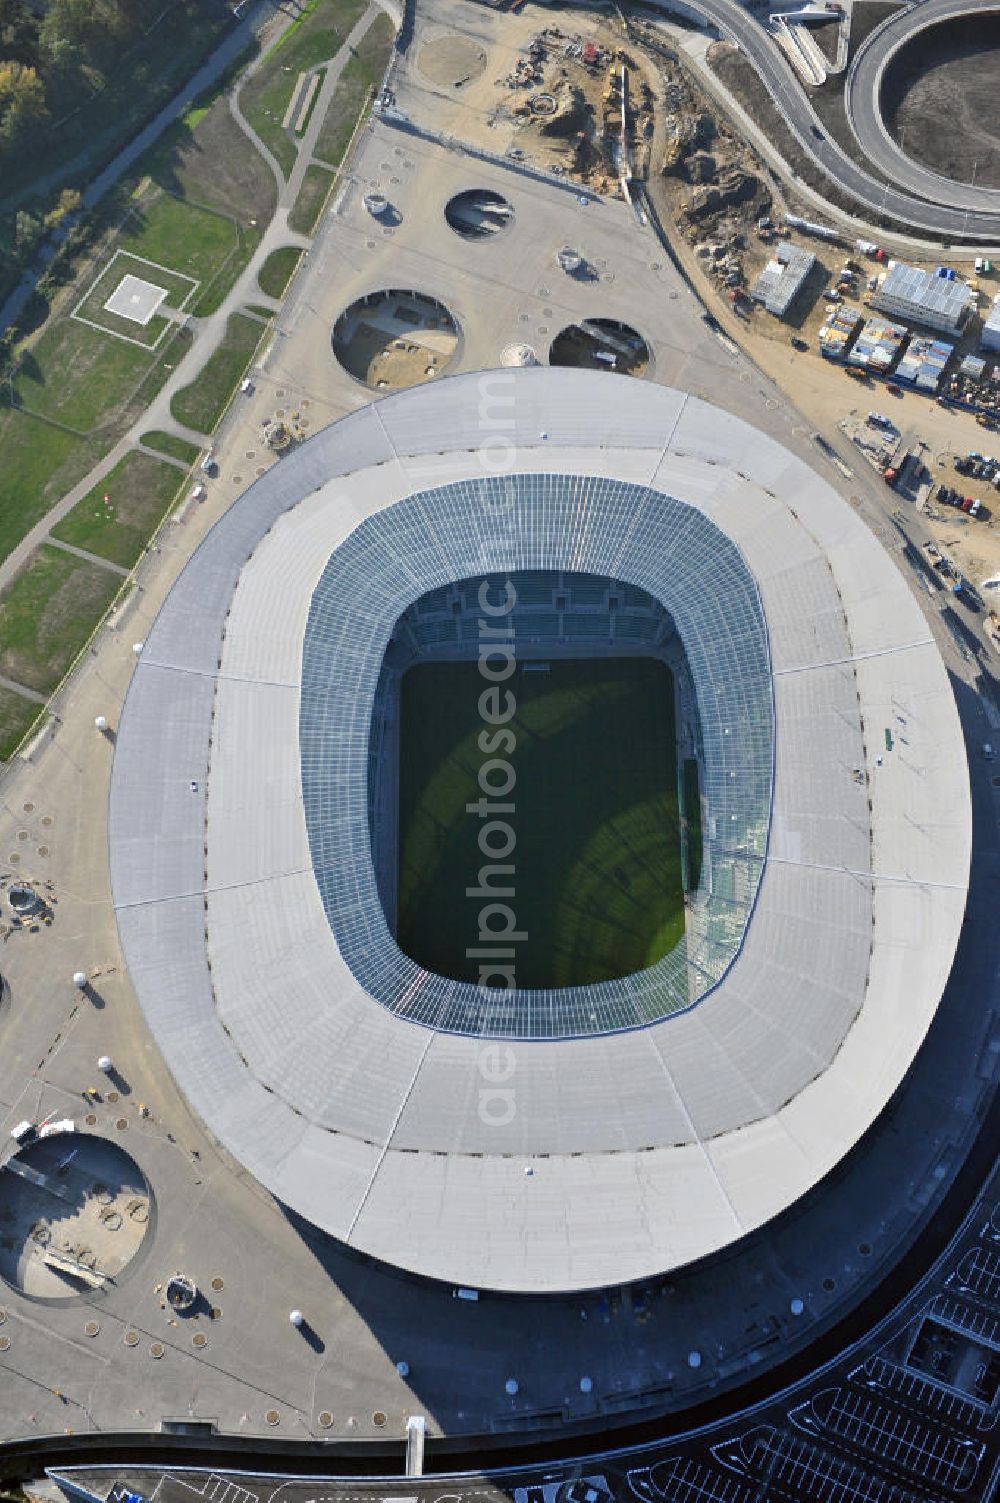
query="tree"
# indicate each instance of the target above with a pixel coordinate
(18, 32)
(22, 101)
(68, 203)
(27, 230)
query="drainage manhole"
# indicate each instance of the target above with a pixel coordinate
(90, 1119)
(22, 834)
(4, 1343)
(91, 1328)
(121, 1124)
(29, 808)
(131, 1338)
(46, 820)
(326, 1419)
(3, 1317)
(13, 858)
(199, 1339)
(112, 1096)
(378, 1418)
(218, 1283)
(865, 1249)
(156, 1350)
(216, 1312)
(829, 1285)
(43, 850)
(272, 1416)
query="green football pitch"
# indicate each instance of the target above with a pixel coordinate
(598, 880)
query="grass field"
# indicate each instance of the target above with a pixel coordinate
(170, 444)
(265, 97)
(278, 269)
(139, 489)
(316, 184)
(201, 405)
(364, 70)
(47, 614)
(598, 883)
(91, 307)
(38, 464)
(17, 716)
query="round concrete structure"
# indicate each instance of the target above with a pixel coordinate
(650, 1146)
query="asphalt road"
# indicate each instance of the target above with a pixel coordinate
(954, 209)
(861, 99)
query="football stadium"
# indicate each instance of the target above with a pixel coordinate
(539, 830)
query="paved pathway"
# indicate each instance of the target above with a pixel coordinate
(91, 558)
(23, 690)
(210, 330)
(228, 50)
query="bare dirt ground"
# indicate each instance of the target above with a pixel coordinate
(941, 99)
(452, 60)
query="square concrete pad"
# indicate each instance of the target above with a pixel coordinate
(135, 299)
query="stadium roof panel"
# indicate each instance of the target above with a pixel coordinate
(686, 1134)
(590, 525)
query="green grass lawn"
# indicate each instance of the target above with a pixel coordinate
(77, 375)
(38, 464)
(139, 490)
(201, 405)
(48, 612)
(353, 90)
(206, 159)
(179, 235)
(598, 883)
(316, 184)
(265, 97)
(17, 716)
(168, 443)
(278, 270)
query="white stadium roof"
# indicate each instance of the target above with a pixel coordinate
(650, 1146)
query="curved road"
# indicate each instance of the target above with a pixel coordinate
(861, 100)
(964, 214)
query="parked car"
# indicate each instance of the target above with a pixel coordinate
(894, 387)
(798, 344)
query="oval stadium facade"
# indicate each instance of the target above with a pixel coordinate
(555, 1136)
